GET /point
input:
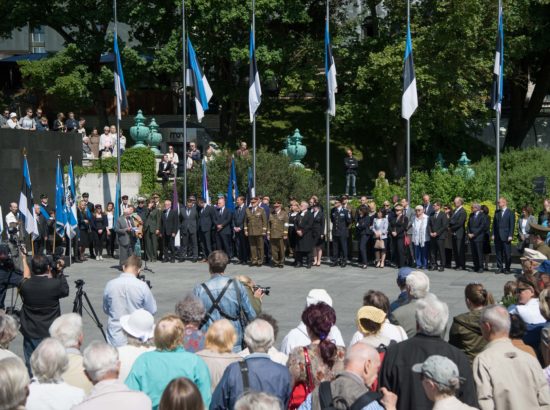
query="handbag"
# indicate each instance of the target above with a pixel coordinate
(407, 240)
(301, 389)
(379, 244)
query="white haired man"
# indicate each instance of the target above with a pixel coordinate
(432, 316)
(48, 390)
(505, 376)
(417, 286)
(67, 329)
(14, 388)
(257, 372)
(102, 367)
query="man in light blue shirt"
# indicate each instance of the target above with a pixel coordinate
(124, 295)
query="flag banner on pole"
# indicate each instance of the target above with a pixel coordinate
(203, 93)
(205, 193)
(70, 204)
(118, 202)
(330, 72)
(254, 87)
(409, 101)
(250, 191)
(232, 189)
(60, 210)
(1, 222)
(26, 202)
(498, 74)
(120, 86)
(176, 207)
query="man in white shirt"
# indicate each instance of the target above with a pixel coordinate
(105, 141)
(12, 122)
(299, 337)
(27, 122)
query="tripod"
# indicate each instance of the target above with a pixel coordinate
(143, 256)
(78, 305)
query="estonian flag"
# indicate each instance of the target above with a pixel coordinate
(203, 93)
(330, 72)
(254, 87)
(409, 102)
(232, 189)
(120, 86)
(70, 204)
(205, 193)
(26, 203)
(60, 209)
(498, 77)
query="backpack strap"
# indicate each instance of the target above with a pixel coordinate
(215, 304)
(244, 375)
(365, 400)
(325, 395)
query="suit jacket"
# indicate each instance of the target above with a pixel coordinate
(429, 209)
(122, 234)
(239, 217)
(340, 221)
(152, 220)
(189, 223)
(305, 224)
(438, 225)
(364, 225)
(278, 225)
(318, 224)
(503, 224)
(477, 225)
(456, 223)
(256, 222)
(42, 225)
(224, 218)
(207, 217)
(410, 214)
(169, 224)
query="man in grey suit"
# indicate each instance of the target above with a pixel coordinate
(438, 224)
(126, 235)
(189, 220)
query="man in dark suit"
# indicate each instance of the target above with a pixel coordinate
(438, 224)
(503, 231)
(126, 235)
(239, 217)
(456, 223)
(341, 218)
(189, 220)
(429, 209)
(89, 212)
(151, 231)
(169, 229)
(207, 216)
(477, 226)
(42, 226)
(223, 228)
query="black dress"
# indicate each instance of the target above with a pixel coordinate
(399, 226)
(292, 230)
(487, 239)
(83, 229)
(318, 228)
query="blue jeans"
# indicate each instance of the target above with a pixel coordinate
(421, 255)
(29, 345)
(350, 182)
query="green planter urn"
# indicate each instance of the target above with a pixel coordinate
(155, 137)
(139, 132)
(464, 167)
(294, 149)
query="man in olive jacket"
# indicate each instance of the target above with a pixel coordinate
(151, 231)
(255, 228)
(277, 234)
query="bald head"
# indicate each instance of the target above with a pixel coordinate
(364, 361)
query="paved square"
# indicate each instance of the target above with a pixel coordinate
(289, 287)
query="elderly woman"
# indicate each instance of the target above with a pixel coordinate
(48, 390)
(369, 322)
(218, 352)
(191, 311)
(524, 226)
(420, 238)
(466, 330)
(380, 230)
(138, 327)
(8, 331)
(322, 359)
(544, 303)
(15, 384)
(398, 229)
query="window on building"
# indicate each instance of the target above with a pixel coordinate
(39, 49)
(38, 34)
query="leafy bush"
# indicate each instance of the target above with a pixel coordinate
(133, 160)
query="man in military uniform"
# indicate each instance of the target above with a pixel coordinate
(277, 234)
(537, 236)
(255, 228)
(341, 218)
(151, 231)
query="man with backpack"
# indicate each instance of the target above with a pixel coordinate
(349, 390)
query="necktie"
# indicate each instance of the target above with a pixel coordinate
(221, 211)
(129, 222)
(188, 211)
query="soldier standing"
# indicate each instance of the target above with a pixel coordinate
(255, 229)
(341, 218)
(277, 233)
(151, 230)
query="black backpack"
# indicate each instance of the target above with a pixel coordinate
(327, 402)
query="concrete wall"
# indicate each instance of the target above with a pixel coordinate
(101, 187)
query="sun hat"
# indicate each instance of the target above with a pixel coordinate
(139, 324)
(318, 295)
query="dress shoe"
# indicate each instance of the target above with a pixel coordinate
(172, 261)
(333, 264)
(308, 266)
(281, 266)
(499, 271)
(344, 264)
(431, 268)
(442, 269)
(194, 260)
(479, 271)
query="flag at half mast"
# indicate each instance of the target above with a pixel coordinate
(409, 101)
(120, 86)
(498, 77)
(254, 87)
(330, 72)
(203, 92)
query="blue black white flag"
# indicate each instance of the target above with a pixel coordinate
(120, 86)
(60, 210)
(232, 189)
(498, 74)
(26, 203)
(330, 72)
(205, 193)
(203, 93)
(254, 87)
(70, 203)
(409, 101)
(250, 191)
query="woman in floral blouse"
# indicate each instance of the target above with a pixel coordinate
(325, 357)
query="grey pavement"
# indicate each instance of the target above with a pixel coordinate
(289, 287)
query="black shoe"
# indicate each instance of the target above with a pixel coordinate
(164, 260)
(194, 260)
(441, 269)
(333, 264)
(308, 266)
(499, 271)
(281, 266)
(172, 261)
(344, 264)
(431, 268)
(479, 271)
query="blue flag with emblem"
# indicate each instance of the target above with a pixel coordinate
(409, 101)
(60, 209)
(201, 88)
(232, 189)
(70, 203)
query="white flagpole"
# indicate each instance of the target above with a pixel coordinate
(327, 127)
(408, 125)
(497, 145)
(254, 118)
(118, 110)
(184, 104)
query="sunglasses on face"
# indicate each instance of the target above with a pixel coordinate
(519, 290)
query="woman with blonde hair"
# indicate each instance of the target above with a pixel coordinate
(218, 353)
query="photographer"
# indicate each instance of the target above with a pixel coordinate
(10, 276)
(124, 295)
(255, 292)
(41, 289)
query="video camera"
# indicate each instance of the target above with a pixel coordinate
(265, 290)
(143, 279)
(56, 261)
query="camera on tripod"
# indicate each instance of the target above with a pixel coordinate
(79, 283)
(143, 279)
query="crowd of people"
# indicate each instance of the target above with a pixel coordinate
(217, 349)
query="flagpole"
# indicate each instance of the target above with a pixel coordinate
(327, 128)
(118, 186)
(408, 126)
(497, 145)
(184, 104)
(254, 117)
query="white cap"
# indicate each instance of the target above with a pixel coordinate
(13, 115)
(318, 295)
(140, 324)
